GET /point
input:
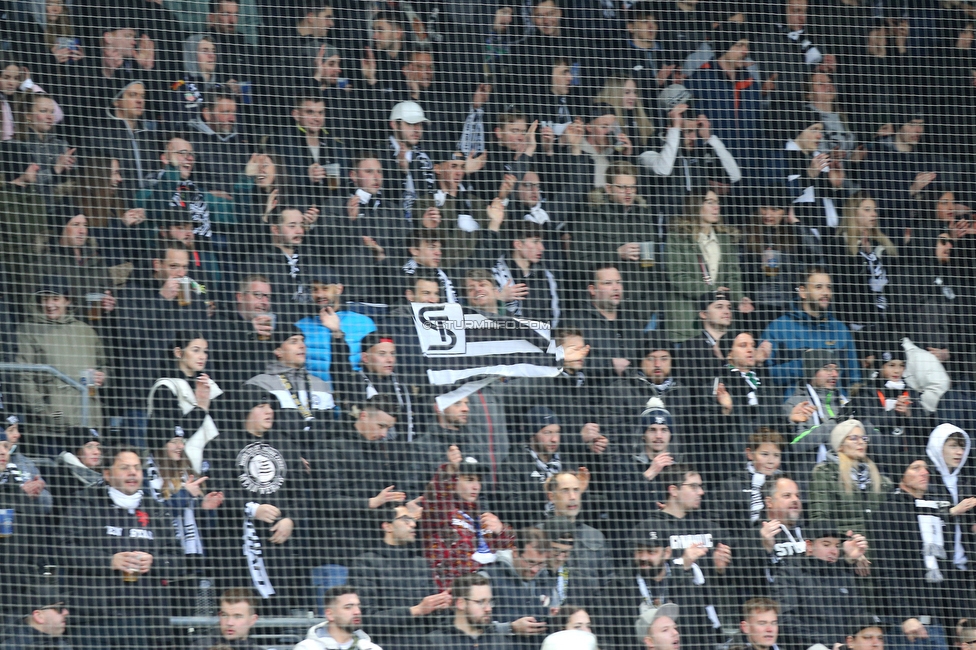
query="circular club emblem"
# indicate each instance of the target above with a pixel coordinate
(262, 468)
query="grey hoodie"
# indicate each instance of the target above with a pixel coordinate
(951, 480)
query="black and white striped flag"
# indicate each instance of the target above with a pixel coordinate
(466, 346)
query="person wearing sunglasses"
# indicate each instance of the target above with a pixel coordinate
(44, 624)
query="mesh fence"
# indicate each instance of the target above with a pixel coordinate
(474, 324)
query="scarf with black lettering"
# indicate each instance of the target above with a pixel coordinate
(473, 133)
(930, 527)
(189, 197)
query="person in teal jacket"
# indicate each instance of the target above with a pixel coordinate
(326, 292)
(809, 326)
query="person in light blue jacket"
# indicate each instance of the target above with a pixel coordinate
(326, 291)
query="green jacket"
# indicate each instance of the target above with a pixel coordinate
(849, 511)
(72, 347)
(683, 267)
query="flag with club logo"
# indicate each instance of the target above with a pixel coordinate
(465, 346)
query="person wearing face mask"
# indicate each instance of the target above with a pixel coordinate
(948, 450)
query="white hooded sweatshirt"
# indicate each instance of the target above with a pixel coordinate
(318, 638)
(950, 479)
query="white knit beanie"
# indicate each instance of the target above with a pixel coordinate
(842, 430)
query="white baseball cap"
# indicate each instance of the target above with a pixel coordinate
(409, 112)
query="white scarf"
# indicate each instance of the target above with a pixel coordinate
(188, 401)
(125, 501)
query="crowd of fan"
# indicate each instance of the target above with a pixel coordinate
(747, 225)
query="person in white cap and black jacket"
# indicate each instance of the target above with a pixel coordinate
(638, 465)
(912, 559)
(409, 167)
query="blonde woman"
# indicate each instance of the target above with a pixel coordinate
(622, 94)
(862, 262)
(847, 486)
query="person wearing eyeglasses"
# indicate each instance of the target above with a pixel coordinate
(848, 486)
(522, 587)
(472, 627)
(241, 337)
(43, 626)
(174, 185)
(401, 603)
(699, 557)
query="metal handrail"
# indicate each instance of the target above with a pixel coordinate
(79, 386)
(213, 621)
